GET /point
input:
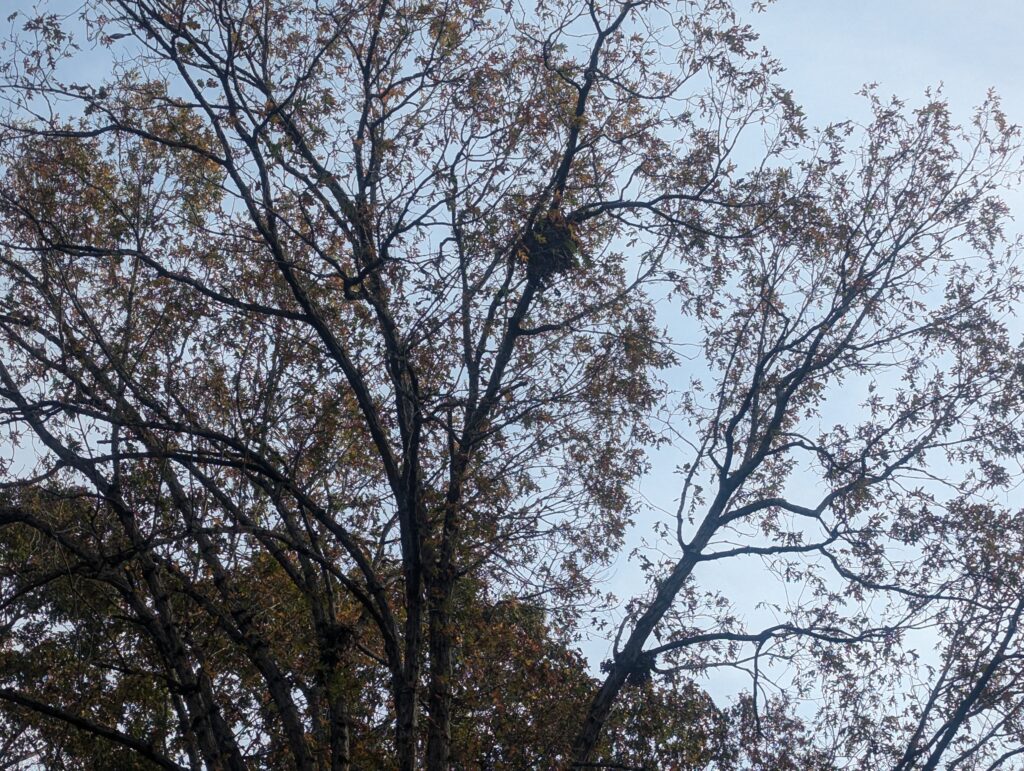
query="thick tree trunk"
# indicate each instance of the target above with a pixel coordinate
(626, 662)
(405, 683)
(439, 737)
(631, 658)
(341, 758)
(405, 725)
(442, 579)
(332, 657)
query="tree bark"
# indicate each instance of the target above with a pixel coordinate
(630, 658)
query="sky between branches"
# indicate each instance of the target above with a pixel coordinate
(831, 49)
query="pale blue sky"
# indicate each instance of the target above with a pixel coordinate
(832, 47)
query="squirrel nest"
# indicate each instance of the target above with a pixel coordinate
(549, 249)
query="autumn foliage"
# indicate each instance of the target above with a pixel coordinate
(344, 344)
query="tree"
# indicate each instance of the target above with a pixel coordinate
(333, 352)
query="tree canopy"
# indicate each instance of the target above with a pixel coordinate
(336, 342)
